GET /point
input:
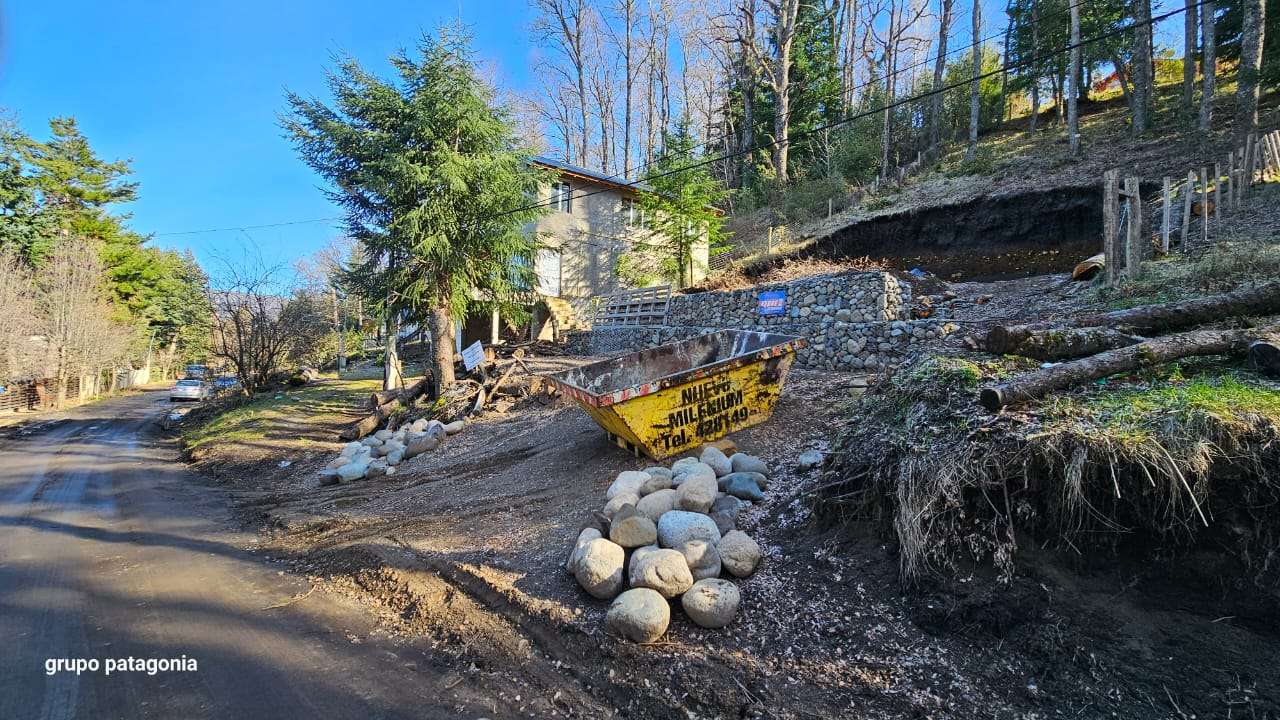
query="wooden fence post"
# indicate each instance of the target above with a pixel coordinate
(1248, 162)
(1134, 241)
(1231, 179)
(1204, 205)
(1110, 226)
(1165, 211)
(1188, 189)
(1217, 191)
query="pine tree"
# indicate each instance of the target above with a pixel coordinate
(435, 185)
(679, 208)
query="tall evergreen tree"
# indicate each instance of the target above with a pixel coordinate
(680, 209)
(435, 184)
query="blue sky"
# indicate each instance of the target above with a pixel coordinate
(190, 92)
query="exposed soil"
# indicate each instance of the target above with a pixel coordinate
(465, 548)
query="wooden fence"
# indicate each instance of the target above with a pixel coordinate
(1200, 195)
(646, 306)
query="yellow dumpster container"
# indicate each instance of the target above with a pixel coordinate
(674, 397)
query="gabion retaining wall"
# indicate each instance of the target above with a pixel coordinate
(853, 321)
(856, 296)
(833, 345)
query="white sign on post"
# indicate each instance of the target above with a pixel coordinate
(472, 355)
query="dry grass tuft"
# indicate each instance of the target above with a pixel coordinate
(1176, 458)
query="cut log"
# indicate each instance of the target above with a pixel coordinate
(405, 394)
(1255, 300)
(1068, 343)
(370, 422)
(1089, 268)
(1152, 352)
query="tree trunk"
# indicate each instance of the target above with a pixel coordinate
(1255, 300)
(974, 100)
(1065, 343)
(784, 38)
(1004, 72)
(939, 76)
(1039, 383)
(1251, 38)
(890, 85)
(442, 349)
(1073, 79)
(1035, 77)
(1142, 71)
(1208, 65)
(392, 373)
(1190, 27)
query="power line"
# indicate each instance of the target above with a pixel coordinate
(242, 228)
(662, 156)
(868, 113)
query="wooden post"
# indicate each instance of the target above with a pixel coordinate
(1110, 226)
(1165, 211)
(1248, 163)
(1231, 180)
(829, 205)
(1188, 189)
(1134, 242)
(1217, 191)
(1204, 205)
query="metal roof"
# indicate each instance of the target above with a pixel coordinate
(611, 180)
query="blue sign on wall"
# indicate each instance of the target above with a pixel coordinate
(773, 302)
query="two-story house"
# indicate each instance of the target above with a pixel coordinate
(592, 219)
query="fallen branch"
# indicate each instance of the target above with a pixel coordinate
(1256, 300)
(1152, 352)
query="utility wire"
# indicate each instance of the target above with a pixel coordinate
(868, 113)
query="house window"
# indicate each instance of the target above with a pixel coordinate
(632, 213)
(561, 196)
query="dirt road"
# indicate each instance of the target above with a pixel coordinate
(109, 550)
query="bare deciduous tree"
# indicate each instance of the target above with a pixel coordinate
(255, 323)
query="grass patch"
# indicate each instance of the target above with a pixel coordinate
(287, 415)
(1173, 457)
(1220, 268)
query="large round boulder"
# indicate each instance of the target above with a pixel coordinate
(633, 531)
(696, 494)
(599, 569)
(628, 482)
(743, 462)
(584, 537)
(662, 570)
(612, 507)
(657, 481)
(678, 527)
(655, 504)
(702, 558)
(718, 461)
(711, 603)
(640, 615)
(724, 513)
(420, 444)
(743, 485)
(739, 553)
(352, 471)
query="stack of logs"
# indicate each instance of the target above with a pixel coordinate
(483, 388)
(1098, 345)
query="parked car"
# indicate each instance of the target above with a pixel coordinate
(226, 382)
(189, 390)
(195, 372)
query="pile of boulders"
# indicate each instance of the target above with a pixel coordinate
(380, 453)
(668, 533)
